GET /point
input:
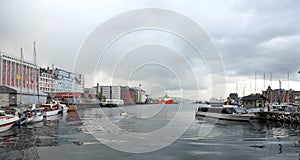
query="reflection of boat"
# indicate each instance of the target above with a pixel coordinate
(226, 113)
(6, 121)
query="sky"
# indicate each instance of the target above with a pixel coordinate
(259, 38)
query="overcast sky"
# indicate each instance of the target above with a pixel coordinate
(251, 36)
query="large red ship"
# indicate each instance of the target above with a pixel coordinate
(165, 100)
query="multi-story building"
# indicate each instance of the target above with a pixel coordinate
(281, 95)
(22, 77)
(111, 92)
(46, 81)
(67, 84)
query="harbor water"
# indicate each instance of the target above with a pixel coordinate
(66, 137)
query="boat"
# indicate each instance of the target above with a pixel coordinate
(111, 103)
(50, 109)
(72, 108)
(225, 113)
(37, 115)
(168, 100)
(6, 121)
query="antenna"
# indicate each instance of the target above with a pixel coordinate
(288, 78)
(255, 83)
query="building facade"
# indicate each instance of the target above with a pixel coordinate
(67, 84)
(254, 101)
(22, 77)
(281, 95)
(46, 81)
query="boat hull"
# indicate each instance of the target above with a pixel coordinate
(231, 117)
(51, 113)
(7, 124)
(37, 118)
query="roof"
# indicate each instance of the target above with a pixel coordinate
(254, 97)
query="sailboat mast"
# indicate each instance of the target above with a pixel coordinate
(21, 68)
(37, 72)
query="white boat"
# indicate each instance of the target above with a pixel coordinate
(112, 103)
(225, 113)
(50, 109)
(37, 115)
(6, 121)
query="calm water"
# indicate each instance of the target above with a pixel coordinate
(65, 137)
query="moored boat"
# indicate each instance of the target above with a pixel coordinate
(72, 108)
(50, 109)
(37, 115)
(225, 113)
(6, 121)
(111, 103)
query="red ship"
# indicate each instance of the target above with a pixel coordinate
(166, 100)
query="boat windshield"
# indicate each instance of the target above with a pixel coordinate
(240, 110)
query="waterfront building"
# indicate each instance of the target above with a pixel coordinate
(67, 84)
(111, 92)
(19, 78)
(281, 95)
(128, 95)
(46, 81)
(254, 101)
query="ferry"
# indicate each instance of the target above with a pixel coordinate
(225, 113)
(6, 121)
(111, 103)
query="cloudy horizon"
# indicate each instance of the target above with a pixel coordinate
(252, 37)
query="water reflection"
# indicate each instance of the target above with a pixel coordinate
(23, 142)
(227, 140)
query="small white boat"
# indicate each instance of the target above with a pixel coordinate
(112, 103)
(225, 113)
(37, 115)
(50, 109)
(6, 121)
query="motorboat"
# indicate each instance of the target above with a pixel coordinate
(6, 121)
(37, 115)
(225, 113)
(72, 108)
(50, 109)
(111, 103)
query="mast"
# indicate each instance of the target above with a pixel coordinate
(37, 72)
(21, 68)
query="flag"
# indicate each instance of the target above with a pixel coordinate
(18, 77)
